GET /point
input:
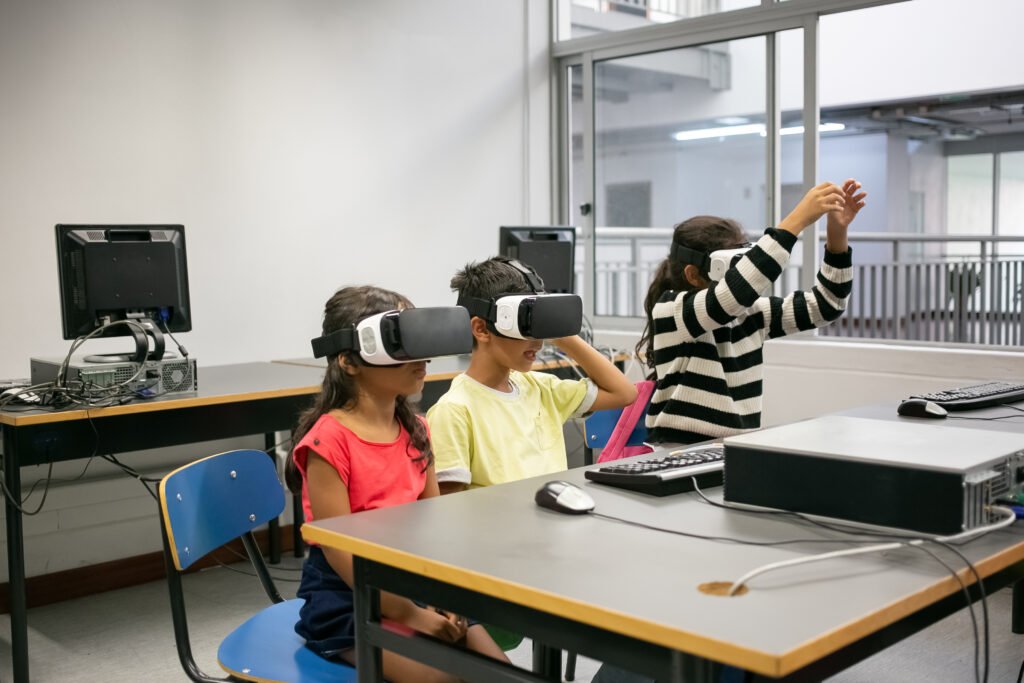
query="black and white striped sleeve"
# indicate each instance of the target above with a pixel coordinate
(824, 303)
(693, 314)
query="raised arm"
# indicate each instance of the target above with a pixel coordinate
(827, 299)
(614, 390)
(695, 313)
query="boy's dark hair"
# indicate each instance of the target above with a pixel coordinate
(701, 233)
(348, 306)
(490, 278)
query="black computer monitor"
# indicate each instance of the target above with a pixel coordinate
(550, 250)
(110, 273)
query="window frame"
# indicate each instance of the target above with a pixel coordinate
(768, 19)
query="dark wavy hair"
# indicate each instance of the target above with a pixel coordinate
(348, 306)
(701, 233)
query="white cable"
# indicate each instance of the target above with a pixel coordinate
(1009, 518)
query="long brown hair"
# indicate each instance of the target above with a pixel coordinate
(701, 233)
(348, 306)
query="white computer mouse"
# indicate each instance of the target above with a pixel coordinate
(561, 496)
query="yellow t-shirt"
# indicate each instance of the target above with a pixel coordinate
(482, 436)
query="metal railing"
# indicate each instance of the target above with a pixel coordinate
(914, 287)
(671, 8)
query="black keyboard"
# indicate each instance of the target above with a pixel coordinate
(977, 395)
(665, 472)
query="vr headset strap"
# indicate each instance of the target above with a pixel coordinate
(682, 254)
(481, 308)
(336, 342)
(530, 274)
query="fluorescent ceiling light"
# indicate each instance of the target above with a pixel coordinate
(822, 128)
(723, 132)
(732, 120)
(748, 129)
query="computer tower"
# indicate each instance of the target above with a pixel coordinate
(158, 378)
(923, 476)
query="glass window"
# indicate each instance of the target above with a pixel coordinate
(969, 197)
(924, 121)
(1011, 195)
(578, 18)
(678, 133)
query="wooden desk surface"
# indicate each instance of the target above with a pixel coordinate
(437, 369)
(643, 583)
(217, 384)
(448, 367)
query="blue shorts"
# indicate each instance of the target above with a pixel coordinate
(327, 619)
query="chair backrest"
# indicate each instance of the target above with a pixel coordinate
(600, 425)
(212, 501)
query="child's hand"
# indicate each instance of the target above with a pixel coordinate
(438, 625)
(815, 204)
(840, 219)
(853, 201)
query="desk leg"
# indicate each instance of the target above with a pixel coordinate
(369, 668)
(691, 669)
(274, 526)
(1017, 609)
(15, 563)
(547, 661)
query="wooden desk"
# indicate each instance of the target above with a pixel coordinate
(630, 596)
(448, 367)
(232, 401)
(441, 372)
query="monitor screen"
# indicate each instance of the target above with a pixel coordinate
(550, 250)
(115, 272)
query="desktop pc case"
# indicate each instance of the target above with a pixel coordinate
(921, 476)
(160, 377)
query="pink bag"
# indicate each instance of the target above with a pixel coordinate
(631, 415)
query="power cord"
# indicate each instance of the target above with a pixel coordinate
(909, 540)
(162, 324)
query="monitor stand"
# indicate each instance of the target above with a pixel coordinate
(141, 345)
(124, 357)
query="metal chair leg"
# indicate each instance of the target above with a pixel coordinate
(570, 666)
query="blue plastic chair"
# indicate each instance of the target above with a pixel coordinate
(211, 502)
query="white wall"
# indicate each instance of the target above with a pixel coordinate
(303, 145)
(299, 143)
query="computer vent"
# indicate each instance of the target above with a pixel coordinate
(981, 490)
(178, 377)
(123, 373)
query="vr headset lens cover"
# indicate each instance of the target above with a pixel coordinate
(395, 337)
(538, 316)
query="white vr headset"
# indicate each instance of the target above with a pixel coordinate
(536, 315)
(715, 264)
(404, 336)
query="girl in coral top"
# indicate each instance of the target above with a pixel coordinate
(361, 447)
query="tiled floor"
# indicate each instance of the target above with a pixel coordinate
(126, 635)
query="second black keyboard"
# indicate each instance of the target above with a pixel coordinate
(977, 395)
(661, 474)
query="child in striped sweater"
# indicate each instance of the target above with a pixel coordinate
(703, 339)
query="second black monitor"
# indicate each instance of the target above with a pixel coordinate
(110, 273)
(550, 250)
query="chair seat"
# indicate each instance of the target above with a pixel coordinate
(266, 648)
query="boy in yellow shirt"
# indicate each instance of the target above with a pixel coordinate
(500, 421)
